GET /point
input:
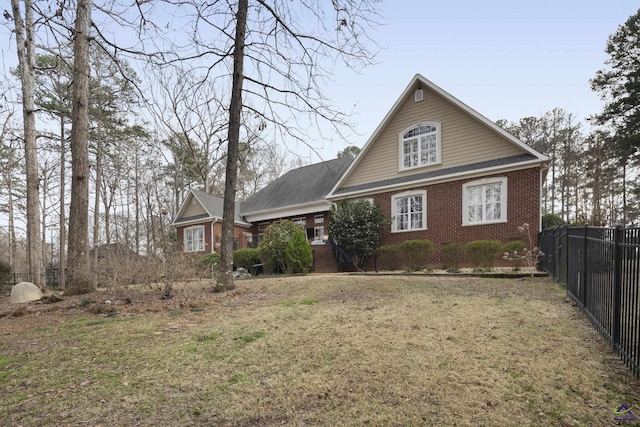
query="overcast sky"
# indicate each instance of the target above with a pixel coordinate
(505, 59)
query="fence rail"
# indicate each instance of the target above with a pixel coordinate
(52, 278)
(600, 267)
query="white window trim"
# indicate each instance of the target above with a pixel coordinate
(318, 219)
(438, 161)
(503, 200)
(184, 238)
(300, 221)
(394, 224)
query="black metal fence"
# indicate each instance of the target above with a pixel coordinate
(600, 267)
(52, 277)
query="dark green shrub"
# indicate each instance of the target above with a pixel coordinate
(388, 257)
(298, 255)
(209, 260)
(451, 256)
(517, 248)
(417, 253)
(552, 221)
(246, 258)
(272, 250)
(356, 226)
(483, 253)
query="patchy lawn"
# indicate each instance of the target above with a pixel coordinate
(313, 350)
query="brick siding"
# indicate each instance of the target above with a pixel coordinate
(444, 213)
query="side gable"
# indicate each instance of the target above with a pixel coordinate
(199, 206)
(468, 142)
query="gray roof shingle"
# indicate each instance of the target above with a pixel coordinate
(300, 186)
(214, 205)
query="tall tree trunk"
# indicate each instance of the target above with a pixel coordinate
(225, 275)
(12, 227)
(43, 227)
(26, 57)
(63, 225)
(96, 207)
(78, 278)
(136, 189)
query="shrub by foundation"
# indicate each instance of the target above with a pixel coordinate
(483, 253)
(513, 248)
(451, 256)
(387, 257)
(246, 258)
(417, 253)
(298, 255)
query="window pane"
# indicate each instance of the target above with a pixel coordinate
(416, 220)
(416, 204)
(474, 213)
(407, 147)
(474, 195)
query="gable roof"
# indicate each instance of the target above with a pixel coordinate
(529, 155)
(212, 205)
(303, 186)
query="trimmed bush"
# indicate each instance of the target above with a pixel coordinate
(209, 260)
(387, 257)
(552, 221)
(246, 258)
(272, 250)
(483, 253)
(356, 226)
(298, 255)
(417, 253)
(515, 247)
(451, 256)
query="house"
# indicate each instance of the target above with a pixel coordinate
(300, 196)
(443, 172)
(199, 224)
(440, 170)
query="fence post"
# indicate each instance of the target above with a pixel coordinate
(583, 268)
(617, 284)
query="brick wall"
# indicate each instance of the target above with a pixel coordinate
(444, 213)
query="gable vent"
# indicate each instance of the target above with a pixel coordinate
(418, 96)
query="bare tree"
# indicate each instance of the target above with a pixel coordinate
(290, 49)
(78, 278)
(25, 43)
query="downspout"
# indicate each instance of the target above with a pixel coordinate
(213, 236)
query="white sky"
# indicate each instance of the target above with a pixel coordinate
(505, 59)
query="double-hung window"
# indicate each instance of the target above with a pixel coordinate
(484, 201)
(409, 211)
(194, 239)
(420, 146)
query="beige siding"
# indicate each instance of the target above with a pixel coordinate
(464, 140)
(193, 209)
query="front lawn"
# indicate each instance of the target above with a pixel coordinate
(316, 350)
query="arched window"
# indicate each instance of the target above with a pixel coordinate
(420, 145)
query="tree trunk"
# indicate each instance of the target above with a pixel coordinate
(78, 277)
(63, 225)
(96, 207)
(225, 275)
(26, 57)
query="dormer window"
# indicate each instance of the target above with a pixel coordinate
(420, 146)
